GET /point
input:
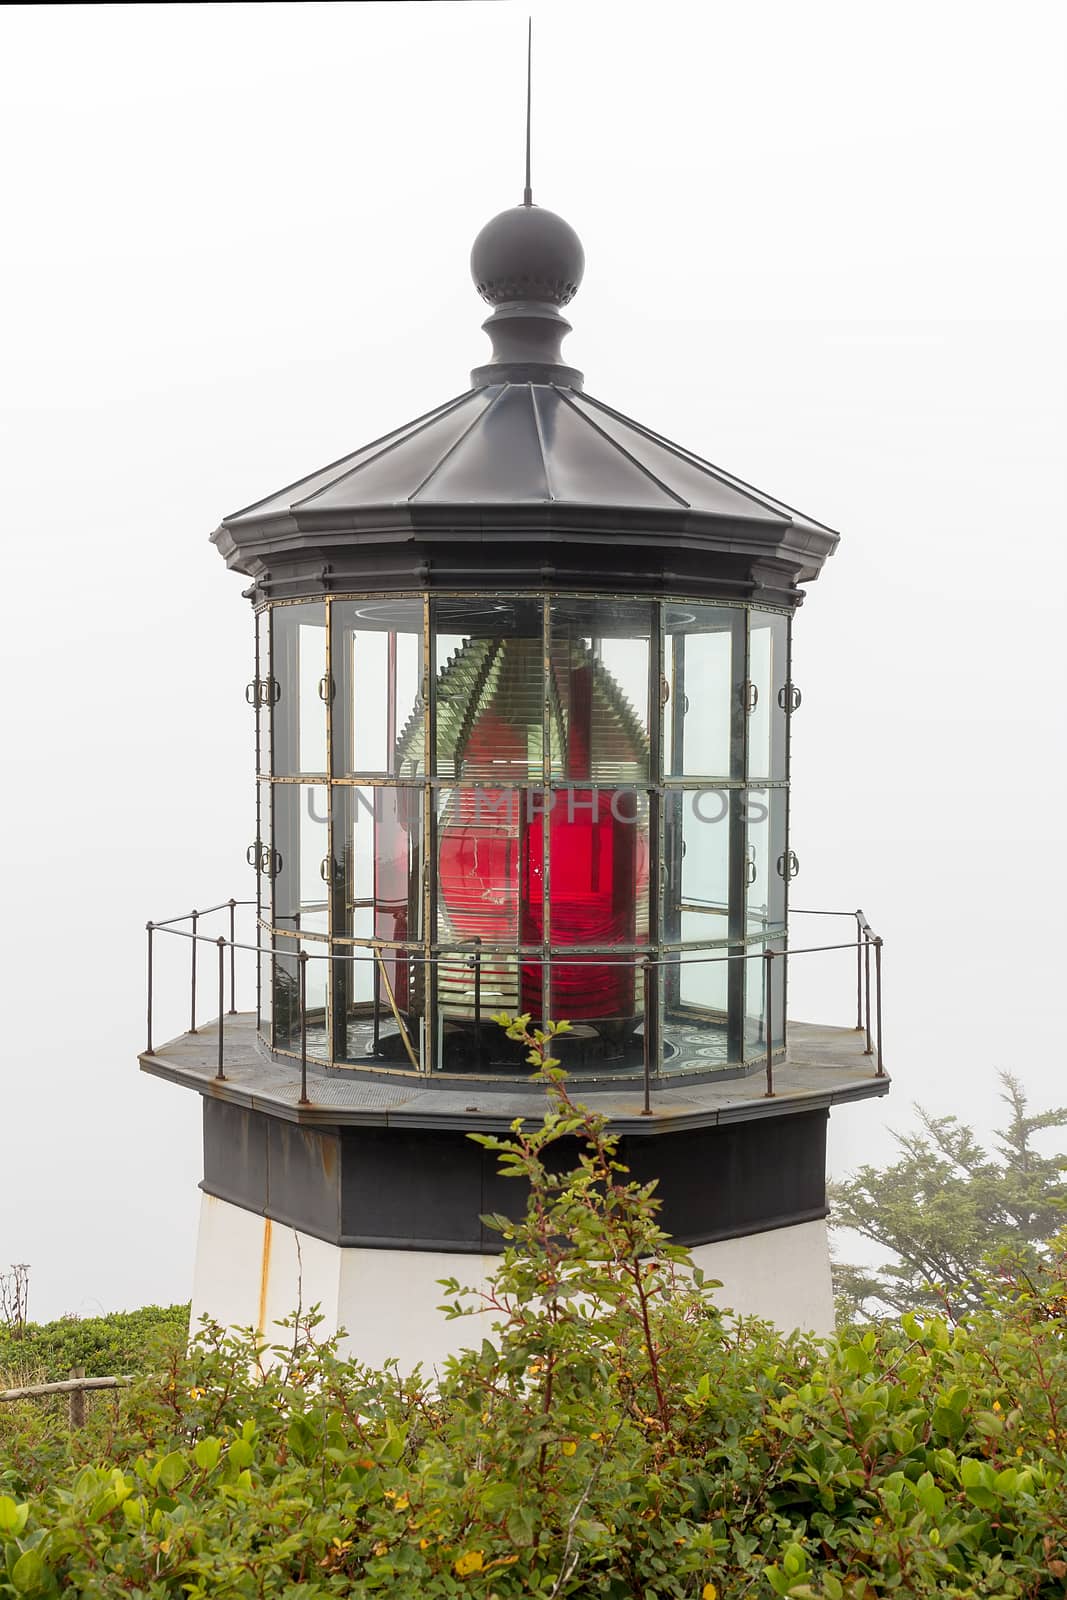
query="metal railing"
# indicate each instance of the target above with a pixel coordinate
(868, 1018)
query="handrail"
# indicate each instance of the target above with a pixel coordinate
(866, 940)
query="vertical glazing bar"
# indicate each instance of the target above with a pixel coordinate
(788, 820)
(429, 845)
(859, 972)
(339, 1044)
(869, 1051)
(377, 1001)
(192, 978)
(221, 943)
(654, 798)
(880, 1068)
(303, 961)
(148, 1046)
(646, 1109)
(233, 959)
(768, 1018)
(478, 998)
(546, 808)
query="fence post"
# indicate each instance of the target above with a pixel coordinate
(77, 1400)
(859, 972)
(148, 1046)
(879, 1070)
(221, 943)
(869, 1051)
(192, 979)
(768, 1023)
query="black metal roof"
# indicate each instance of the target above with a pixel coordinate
(525, 454)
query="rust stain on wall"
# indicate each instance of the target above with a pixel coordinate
(264, 1275)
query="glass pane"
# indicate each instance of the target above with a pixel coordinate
(376, 661)
(317, 978)
(263, 691)
(378, 1007)
(768, 672)
(287, 997)
(489, 694)
(299, 665)
(703, 716)
(598, 858)
(266, 989)
(483, 865)
(377, 845)
(599, 690)
(765, 811)
(756, 1000)
(697, 833)
(472, 985)
(301, 852)
(695, 1005)
(605, 1000)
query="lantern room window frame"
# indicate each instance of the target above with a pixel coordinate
(705, 1015)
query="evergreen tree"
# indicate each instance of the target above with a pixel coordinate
(947, 1206)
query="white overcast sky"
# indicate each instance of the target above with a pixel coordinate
(825, 249)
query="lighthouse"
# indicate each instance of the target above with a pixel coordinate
(523, 706)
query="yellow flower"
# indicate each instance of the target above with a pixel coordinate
(709, 1592)
(424, 1544)
(569, 1447)
(996, 1405)
(402, 1503)
(1018, 1450)
(600, 1435)
(381, 1548)
(195, 1394)
(878, 1522)
(470, 1561)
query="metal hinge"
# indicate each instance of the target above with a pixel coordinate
(788, 865)
(263, 858)
(263, 692)
(789, 698)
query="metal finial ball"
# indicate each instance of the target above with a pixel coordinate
(527, 253)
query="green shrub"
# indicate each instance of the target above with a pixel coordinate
(105, 1346)
(621, 1439)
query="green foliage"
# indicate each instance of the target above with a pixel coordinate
(620, 1438)
(125, 1342)
(947, 1207)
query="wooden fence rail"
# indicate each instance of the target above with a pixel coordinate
(76, 1386)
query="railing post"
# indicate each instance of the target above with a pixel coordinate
(646, 986)
(768, 1022)
(879, 1070)
(303, 960)
(76, 1403)
(221, 942)
(192, 980)
(148, 1046)
(859, 972)
(478, 998)
(377, 1001)
(233, 959)
(869, 1051)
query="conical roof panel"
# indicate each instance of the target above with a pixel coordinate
(523, 444)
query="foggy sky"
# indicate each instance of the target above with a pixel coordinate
(824, 249)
